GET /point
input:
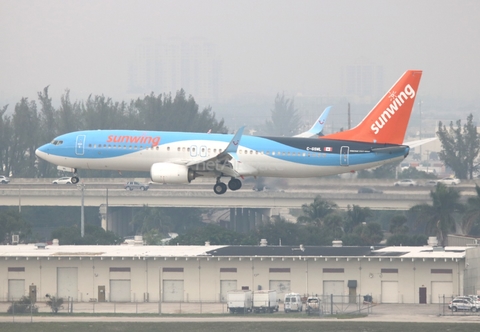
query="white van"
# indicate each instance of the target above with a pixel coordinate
(292, 302)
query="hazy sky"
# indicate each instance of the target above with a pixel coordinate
(297, 46)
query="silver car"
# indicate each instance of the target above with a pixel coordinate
(64, 180)
(4, 179)
(462, 304)
(136, 185)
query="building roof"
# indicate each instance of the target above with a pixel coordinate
(139, 251)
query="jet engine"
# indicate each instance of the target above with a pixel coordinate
(168, 173)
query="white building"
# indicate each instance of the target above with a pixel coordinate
(136, 273)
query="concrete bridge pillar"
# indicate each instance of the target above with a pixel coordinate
(245, 219)
(116, 219)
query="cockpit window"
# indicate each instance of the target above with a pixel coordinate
(57, 142)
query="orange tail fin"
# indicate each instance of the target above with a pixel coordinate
(387, 122)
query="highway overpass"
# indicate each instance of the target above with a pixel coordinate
(246, 205)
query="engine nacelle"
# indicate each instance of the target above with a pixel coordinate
(169, 173)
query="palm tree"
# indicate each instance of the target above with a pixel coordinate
(472, 213)
(356, 215)
(315, 212)
(397, 224)
(438, 217)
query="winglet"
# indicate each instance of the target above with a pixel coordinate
(387, 122)
(235, 142)
(317, 127)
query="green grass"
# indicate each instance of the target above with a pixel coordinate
(343, 326)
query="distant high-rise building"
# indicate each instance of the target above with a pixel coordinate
(363, 83)
(168, 66)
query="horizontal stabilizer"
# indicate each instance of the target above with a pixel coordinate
(420, 142)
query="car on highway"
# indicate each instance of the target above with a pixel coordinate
(64, 180)
(4, 179)
(131, 185)
(405, 183)
(369, 190)
(462, 303)
(431, 183)
(449, 181)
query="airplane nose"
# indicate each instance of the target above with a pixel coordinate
(41, 152)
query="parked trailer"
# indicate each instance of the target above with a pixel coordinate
(239, 301)
(292, 302)
(265, 301)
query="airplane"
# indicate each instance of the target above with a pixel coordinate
(179, 157)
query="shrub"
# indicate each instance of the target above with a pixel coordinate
(24, 305)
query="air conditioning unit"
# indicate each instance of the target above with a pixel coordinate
(15, 238)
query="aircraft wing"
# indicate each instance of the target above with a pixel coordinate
(220, 162)
(419, 142)
(317, 127)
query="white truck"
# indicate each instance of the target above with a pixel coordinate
(239, 301)
(292, 302)
(265, 301)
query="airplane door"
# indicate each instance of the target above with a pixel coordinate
(344, 150)
(80, 145)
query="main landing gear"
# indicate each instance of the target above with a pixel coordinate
(75, 178)
(220, 188)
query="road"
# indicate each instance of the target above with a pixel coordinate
(426, 313)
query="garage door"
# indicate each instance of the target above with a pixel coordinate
(67, 286)
(120, 290)
(225, 286)
(16, 289)
(441, 288)
(389, 291)
(173, 290)
(335, 287)
(281, 286)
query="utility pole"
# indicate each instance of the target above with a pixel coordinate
(420, 108)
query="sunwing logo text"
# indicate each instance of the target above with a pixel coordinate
(397, 101)
(134, 139)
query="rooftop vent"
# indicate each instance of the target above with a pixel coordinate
(432, 241)
(40, 245)
(138, 240)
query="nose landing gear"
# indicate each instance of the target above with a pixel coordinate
(75, 178)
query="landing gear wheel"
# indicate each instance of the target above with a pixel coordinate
(75, 179)
(234, 184)
(220, 188)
